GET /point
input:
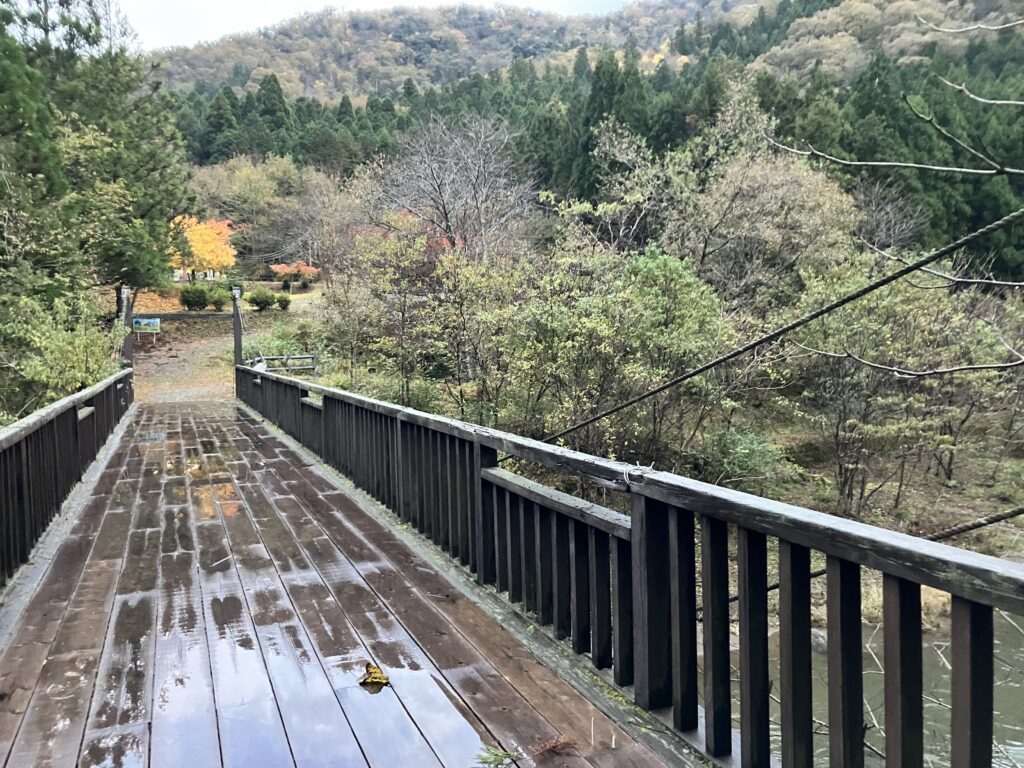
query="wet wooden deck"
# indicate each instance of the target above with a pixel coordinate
(215, 604)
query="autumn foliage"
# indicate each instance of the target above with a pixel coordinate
(201, 245)
(295, 271)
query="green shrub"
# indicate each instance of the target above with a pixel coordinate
(284, 300)
(305, 282)
(219, 298)
(286, 285)
(743, 460)
(261, 299)
(193, 297)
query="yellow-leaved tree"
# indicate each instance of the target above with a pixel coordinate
(201, 245)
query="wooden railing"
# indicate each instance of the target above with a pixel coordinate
(44, 455)
(623, 589)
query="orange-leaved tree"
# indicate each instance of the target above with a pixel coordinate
(201, 245)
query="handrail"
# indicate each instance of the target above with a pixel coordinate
(960, 572)
(624, 589)
(12, 433)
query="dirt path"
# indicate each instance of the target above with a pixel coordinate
(185, 371)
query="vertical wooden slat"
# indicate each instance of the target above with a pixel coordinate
(515, 546)
(795, 655)
(499, 511)
(561, 586)
(715, 583)
(755, 751)
(579, 557)
(622, 612)
(483, 511)
(600, 598)
(904, 717)
(972, 650)
(531, 564)
(845, 665)
(683, 595)
(652, 629)
(543, 552)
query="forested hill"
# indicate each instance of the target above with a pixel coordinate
(329, 53)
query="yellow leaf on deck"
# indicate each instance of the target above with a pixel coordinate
(374, 676)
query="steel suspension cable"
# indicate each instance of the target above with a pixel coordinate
(778, 333)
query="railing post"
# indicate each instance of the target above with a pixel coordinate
(483, 458)
(236, 320)
(652, 658)
(128, 348)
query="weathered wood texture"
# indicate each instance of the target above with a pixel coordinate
(623, 588)
(216, 605)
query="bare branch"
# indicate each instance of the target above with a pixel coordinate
(962, 88)
(812, 152)
(905, 373)
(956, 141)
(952, 279)
(972, 27)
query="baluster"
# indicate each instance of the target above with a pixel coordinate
(904, 718)
(515, 547)
(543, 563)
(499, 510)
(561, 577)
(683, 597)
(972, 647)
(600, 598)
(652, 629)
(715, 582)
(845, 665)
(579, 559)
(795, 655)
(483, 512)
(754, 680)
(622, 612)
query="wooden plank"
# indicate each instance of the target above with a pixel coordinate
(499, 511)
(715, 583)
(535, 539)
(579, 562)
(972, 638)
(845, 665)
(561, 575)
(600, 598)
(544, 558)
(514, 541)
(904, 715)
(622, 612)
(755, 685)
(652, 638)
(795, 681)
(682, 554)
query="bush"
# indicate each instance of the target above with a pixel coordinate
(219, 298)
(305, 282)
(261, 299)
(742, 459)
(193, 297)
(284, 300)
(286, 285)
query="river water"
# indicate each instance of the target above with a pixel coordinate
(1008, 747)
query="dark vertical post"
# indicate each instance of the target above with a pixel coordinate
(483, 511)
(845, 665)
(683, 591)
(561, 578)
(515, 546)
(600, 598)
(795, 655)
(717, 666)
(904, 723)
(971, 743)
(622, 611)
(579, 557)
(236, 320)
(128, 350)
(754, 679)
(652, 678)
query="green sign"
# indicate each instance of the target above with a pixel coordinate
(146, 324)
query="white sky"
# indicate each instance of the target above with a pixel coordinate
(162, 23)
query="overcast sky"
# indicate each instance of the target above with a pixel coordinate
(183, 22)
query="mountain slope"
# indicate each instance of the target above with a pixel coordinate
(328, 54)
